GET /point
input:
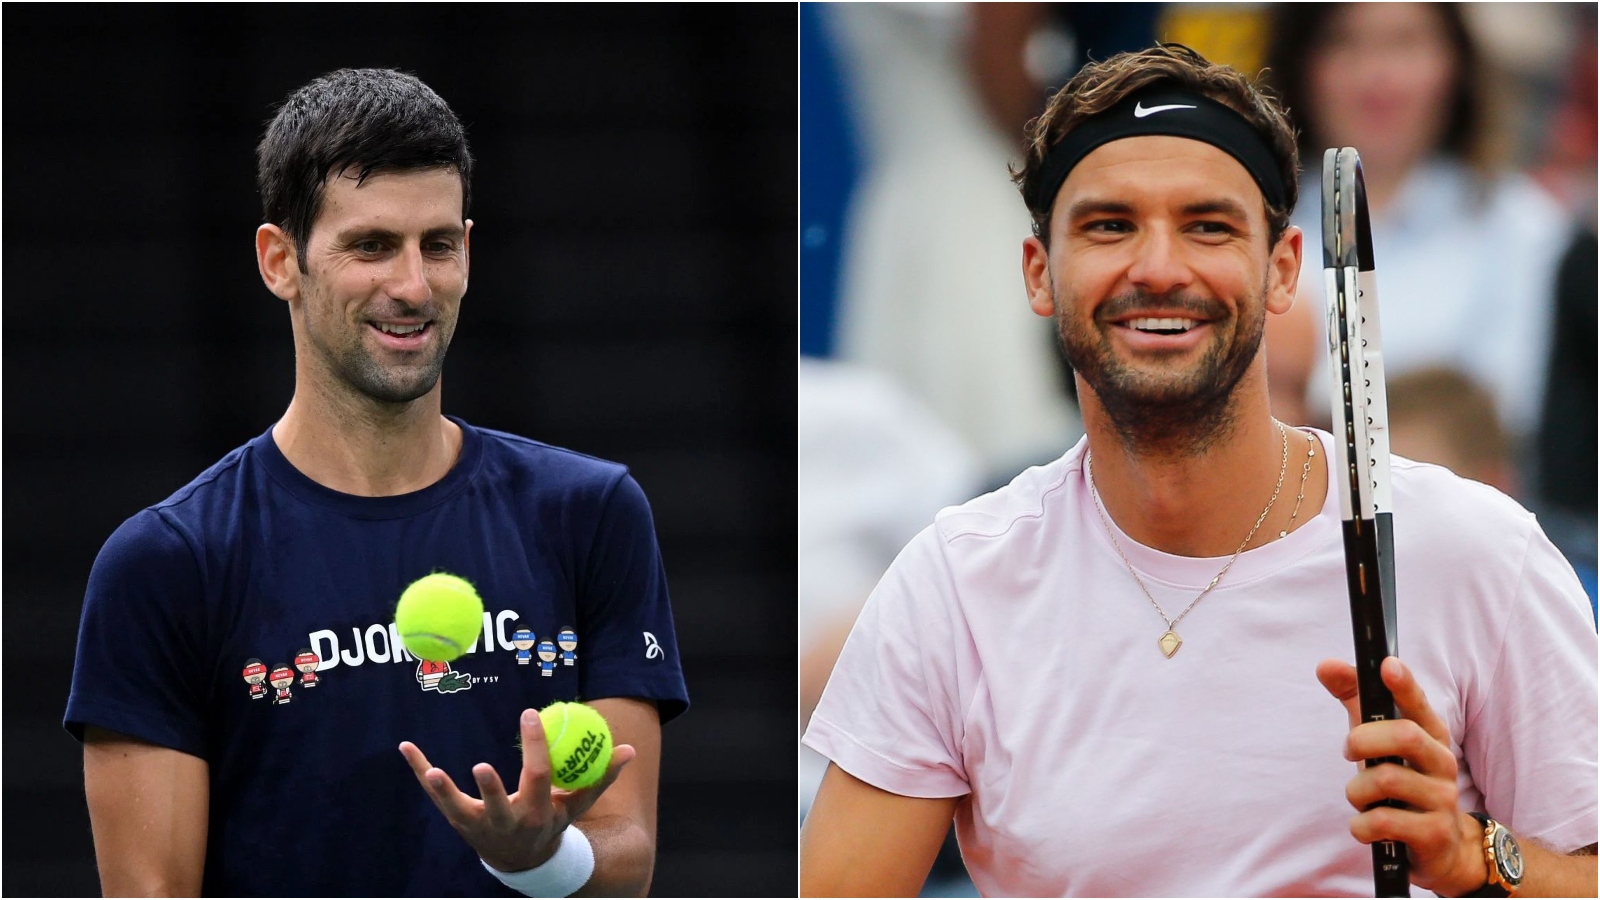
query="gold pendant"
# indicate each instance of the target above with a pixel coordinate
(1170, 642)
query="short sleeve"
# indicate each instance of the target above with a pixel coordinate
(626, 628)
(1532, 736)
(892, 710)
(140, 667)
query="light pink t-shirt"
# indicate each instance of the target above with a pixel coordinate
(1009, 658)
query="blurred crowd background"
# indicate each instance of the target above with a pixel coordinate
(633, 297)
(926, 379)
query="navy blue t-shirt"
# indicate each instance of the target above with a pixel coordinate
(201, 611)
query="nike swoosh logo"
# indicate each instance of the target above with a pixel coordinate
(1140, 112)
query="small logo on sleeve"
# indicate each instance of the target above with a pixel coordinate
(652, 647)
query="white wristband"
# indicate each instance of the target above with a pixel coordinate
(560, 875)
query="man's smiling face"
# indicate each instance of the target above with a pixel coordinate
(1159, 277)
(386, 268)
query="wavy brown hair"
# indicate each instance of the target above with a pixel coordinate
(1099, 86)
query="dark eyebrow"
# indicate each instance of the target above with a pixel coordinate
(384, 234)
(1221, 206)
(1098, 207)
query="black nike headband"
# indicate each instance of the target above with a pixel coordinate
(1170, 111)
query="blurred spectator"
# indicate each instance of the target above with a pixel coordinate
(1440, 415)
(931, 284)
(1566, 446)
(1017, 53)
(1548, 52)
(1568, 169)
(1466, 252)
(875, 465)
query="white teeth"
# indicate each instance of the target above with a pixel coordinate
(1153, 324)
(386, 328)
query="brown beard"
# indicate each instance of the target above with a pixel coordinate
(1185, 414)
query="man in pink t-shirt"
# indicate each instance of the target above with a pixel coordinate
(1106, 673)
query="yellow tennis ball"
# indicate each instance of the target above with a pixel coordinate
(580, 744)
(439, 617)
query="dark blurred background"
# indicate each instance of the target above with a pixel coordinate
(633, 297)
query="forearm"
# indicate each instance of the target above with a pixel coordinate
(1551, 874)
(624, 857)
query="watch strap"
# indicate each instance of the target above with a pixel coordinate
(1494, 885)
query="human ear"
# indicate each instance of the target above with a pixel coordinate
(1283, 271)
(278, 262)
(1036, 275)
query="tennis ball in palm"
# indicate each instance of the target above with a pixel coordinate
(580, 744)
(439, 617)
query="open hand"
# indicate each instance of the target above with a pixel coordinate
(523, 830)
(1442, 842)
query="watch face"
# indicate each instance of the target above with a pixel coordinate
(1509, 856)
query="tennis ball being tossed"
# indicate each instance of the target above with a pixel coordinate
(439, 617)
(580, 744)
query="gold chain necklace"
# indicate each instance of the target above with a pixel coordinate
(1170, 642)
(1305, 471)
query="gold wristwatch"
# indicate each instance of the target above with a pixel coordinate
(1503, 858)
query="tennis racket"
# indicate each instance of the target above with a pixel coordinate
(1361, 456)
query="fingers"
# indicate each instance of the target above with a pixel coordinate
(535, 780)
(1405, 739)
(1340, 680)
(1428, 836)
(455, 805)
(1391, 782)
(496, 805)
(419, 764)
(577, 802)
(1444, 846)
(1421, 738)
(1411, 701)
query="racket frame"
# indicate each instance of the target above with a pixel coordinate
(1361, 457)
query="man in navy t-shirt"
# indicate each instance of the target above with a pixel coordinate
(240, 687)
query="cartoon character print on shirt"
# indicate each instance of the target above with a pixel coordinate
(307, 661)
(255, 672)
(547, 658)
(567, 640)
(282, 676)
(438, 676)
(523, 639)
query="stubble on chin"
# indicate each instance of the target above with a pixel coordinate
(350, 370)
(1162, 412)
(391, 385)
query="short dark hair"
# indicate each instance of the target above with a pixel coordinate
(1099, 86)
(362, 119)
